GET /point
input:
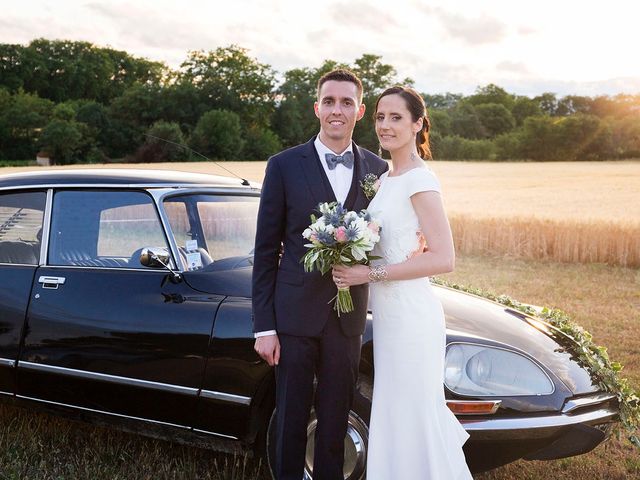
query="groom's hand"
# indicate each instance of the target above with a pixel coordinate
(268, 347)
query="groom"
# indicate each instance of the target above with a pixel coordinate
(295, 325)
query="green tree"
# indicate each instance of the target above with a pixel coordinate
(524, 107)
(495, 118)
(547, 102)
(540, 138)
(625, 139)
(572, 104)
(492, 94)
(465, 122)
(164, 142)
(440, 122)
(583, 137)
(61, 139)
(454, 147)
(229, 79)
(446, 101)
(260, 143)
(13, 69)
(23, 117)
(63, 70)
(508, 146)
(218, 135)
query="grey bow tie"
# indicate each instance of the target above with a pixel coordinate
(333, 160)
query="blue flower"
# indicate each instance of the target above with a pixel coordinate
(326, 239)
(332, 218)
(352, 233)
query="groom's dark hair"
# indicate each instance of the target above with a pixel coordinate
(341, 75)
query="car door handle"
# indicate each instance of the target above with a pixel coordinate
(51, 282)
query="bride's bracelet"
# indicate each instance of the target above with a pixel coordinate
(378, 273)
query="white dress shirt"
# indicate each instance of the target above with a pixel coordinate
(340, 179)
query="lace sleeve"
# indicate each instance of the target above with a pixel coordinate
(422, 180)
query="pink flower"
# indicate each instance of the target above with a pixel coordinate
(341, 234)
(374, 227)
(313, 237)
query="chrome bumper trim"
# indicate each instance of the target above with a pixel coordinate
(226, 397)
(92, 410)
(533, 427)
(8, 394)
(230, 437)
(587, 401)
(128, 417)
(134, 382)
(7, 362)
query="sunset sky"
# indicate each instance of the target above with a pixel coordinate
(561, 46)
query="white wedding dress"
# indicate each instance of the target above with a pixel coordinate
(413, 434)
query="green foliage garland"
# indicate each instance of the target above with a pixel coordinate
(603, 371)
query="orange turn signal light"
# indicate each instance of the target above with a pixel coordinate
(473, 407)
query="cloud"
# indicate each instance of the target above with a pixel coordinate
(472, 31)
(361, 15)
(513, 67)
(527, 30)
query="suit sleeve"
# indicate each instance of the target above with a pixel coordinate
(269, 236)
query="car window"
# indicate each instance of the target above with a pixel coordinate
(21, 217)
(103, 228)
(216, 230)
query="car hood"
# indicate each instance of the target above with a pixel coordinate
(472, 318)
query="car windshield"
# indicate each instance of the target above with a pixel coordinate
(213, 231)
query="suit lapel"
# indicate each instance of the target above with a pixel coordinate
(317, 180)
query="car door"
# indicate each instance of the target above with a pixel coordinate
(105, 333)
(21, 219)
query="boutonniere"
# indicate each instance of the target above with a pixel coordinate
(370, 185)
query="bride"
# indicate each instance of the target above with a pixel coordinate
(413, 434)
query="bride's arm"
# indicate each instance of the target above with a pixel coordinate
(439, 258)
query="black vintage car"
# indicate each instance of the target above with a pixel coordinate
(125, 299)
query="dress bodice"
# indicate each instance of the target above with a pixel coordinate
(392, 206)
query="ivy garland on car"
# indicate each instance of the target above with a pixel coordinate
(590, 355)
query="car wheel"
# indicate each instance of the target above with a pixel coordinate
(355, 446)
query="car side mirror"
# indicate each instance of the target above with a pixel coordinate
(155, 257)
(158, 257)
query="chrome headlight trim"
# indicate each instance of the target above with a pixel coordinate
(511, 350)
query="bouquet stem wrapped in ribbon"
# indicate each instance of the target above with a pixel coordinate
(340, 237)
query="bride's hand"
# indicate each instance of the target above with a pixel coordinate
(350, 276)
(422, 245)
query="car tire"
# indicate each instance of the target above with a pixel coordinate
(355, 446)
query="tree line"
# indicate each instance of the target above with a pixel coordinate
(77, 102)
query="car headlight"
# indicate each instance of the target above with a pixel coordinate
(480, 370)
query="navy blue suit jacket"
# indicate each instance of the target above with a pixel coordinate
(285, 297)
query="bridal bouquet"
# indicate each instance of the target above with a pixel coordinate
(340, 237)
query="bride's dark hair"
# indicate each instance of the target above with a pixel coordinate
(417, 108)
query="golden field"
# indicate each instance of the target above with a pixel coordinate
(561, 211)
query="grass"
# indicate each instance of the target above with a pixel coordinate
(604, 299)
(17, 163)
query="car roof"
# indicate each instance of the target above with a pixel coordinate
(116, 177)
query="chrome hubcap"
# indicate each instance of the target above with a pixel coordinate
(355, 447)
